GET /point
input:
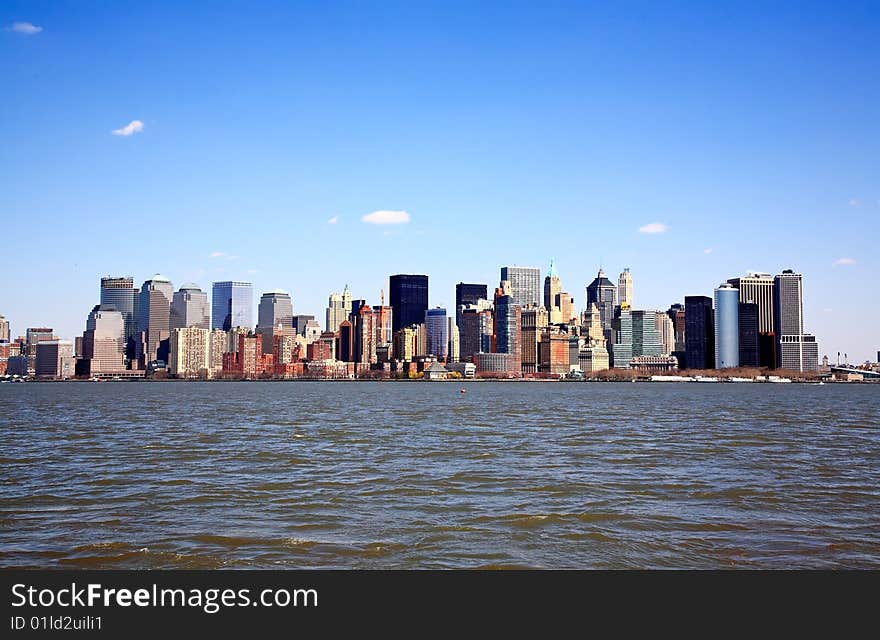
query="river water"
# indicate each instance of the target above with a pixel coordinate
(420, 475)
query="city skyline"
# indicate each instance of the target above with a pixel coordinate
(332, 146)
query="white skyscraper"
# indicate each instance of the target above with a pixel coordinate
(625, 289)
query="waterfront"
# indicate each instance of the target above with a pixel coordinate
(372, 475)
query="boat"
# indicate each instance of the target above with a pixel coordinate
(777, 379)
(705, 379)
(735, 379)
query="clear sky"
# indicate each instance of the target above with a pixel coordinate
(746, 135)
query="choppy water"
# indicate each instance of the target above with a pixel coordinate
(418, 475)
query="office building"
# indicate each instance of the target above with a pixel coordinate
(666, 329)
(758, 288)
(274, 317)
(467, 294)
(508, 323)
(726, 327)
(232, 305)
(408, 295)
(338, 309)
(119, 293)
(4, 329)
(103, 342)
(625, 289)
(525, 284)
(749, 335)
(699, 332)
(602, 293)
(795, 349)
(189, 308)
(54, 359)
(154, 318)
(552, 290)
(437, 333)
(475, 333)
(383, 319)
(635, 335)
(534, 321)
(364, 334)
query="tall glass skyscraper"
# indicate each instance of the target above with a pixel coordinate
(189, 308)
(436, 332)
(232, 305)
(726, 327)
(699, 334)
(408, 295)
(154, 314)
(602, 292)
(466, 294)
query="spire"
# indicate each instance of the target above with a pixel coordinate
(551, 273)
(382, 296)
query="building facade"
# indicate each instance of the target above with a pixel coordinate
(232, 305)
(749, 335)
(726, 327)
(119, 293)
(408, 295)
(625, 289)
(54, 359)
(525, 284)
(189, 308)
(699, 332)
(154, 317)
(437, 333)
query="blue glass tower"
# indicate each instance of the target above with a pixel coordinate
(726, 327)
(232, 305)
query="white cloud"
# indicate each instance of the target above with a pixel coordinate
(844, 261)
(26, 28)
(221, 254)
(654, 227)
(707, 251)
(855, 202)
(253, 271)
(333, 220)
(135, 126)
(386, 217)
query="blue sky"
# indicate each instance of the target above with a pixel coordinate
(511, 133)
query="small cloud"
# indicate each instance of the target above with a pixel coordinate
(333, 220)
(26, 28)
(707, 251)
(386, 217)
(855, 202)
(135, 126)
(253, 271)
(654, 227)
(844, 261)
(225, 256)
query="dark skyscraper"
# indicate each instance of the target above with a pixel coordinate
(468, 294)
(699, 334)
(602, 292)
(749, 344)
(409, 300)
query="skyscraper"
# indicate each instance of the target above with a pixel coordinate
(534, 320)
(552, 289)
(54, 359)
(601, 292)
(466, 294)
(475, 332)
(699, 332)
(408, 295)
(726, 327)
(749, 336)
(104, 341)
(364, 334)
(437, 333)
(508, 323)
(382, 319)
(338, 309)
(190, 352)
(4, 329)
(625, 288)
(189, 308)
(232, 305)
(525, 284)
(796, 350)
(274, 317)
(154, 316)
(119, 293)
(758, 288)
(666, 329)
(636, 335)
